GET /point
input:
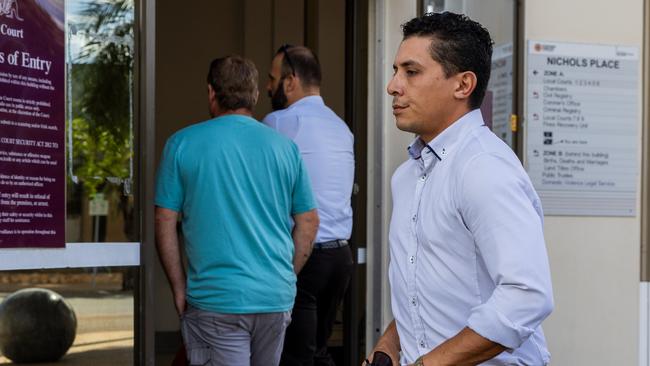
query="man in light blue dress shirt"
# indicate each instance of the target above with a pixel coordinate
(326, 145)
(469, 272)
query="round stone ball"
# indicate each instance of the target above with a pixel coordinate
(36, 325)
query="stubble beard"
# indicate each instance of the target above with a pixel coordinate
(278, 97)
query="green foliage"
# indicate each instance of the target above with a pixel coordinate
(109, 47)
(102, 82)
(99, 153)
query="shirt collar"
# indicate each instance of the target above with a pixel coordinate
(443, 144)
(311, 99)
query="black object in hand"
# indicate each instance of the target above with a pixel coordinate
(380, 358)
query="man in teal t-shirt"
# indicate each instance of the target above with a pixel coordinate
(248, 218)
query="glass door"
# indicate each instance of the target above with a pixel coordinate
(96, 270)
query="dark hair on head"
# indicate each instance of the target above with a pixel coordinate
(458, 44)
(301, 61)
(234, 80)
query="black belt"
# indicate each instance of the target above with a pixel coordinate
(331, 244)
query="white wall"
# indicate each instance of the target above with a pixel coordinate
(496, 15)
(386, 150)
(594, 261)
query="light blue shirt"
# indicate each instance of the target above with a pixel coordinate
(467, 246)
(237, 183)
(327, 148)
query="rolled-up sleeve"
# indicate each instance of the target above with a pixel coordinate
(500, 208)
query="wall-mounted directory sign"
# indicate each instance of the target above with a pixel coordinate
(500, 88)
(32, 112)
(583, 127)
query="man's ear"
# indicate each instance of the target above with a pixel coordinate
(466, 83)
(257, 96)
(212, 101)
(291, 83)
(211, 93)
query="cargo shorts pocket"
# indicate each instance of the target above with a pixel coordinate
(198, 352)
(198, 355)
(286, 320)
(277, 323)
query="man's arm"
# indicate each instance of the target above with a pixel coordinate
(464, 349)
(304, 233)
(389, 344)
(169, 253)
(506, 223)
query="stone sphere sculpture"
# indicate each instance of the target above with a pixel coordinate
(36, 325)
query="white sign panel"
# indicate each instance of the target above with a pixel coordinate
(98, 206)
(583, 127)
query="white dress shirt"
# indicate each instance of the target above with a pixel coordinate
(327, 148)
(467, 246)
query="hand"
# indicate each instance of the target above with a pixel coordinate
(179, 302)
(418, 362)
(388, 344)
(394, 358)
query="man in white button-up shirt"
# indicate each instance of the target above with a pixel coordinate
(327, 148)
(469, 273)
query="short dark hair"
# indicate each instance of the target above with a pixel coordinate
(301, 61)
(234, 80)
(458, 44)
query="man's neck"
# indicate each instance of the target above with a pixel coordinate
(295, 98)
(242, 111)
(454, 116)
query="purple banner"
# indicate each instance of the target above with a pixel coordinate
(32, 125)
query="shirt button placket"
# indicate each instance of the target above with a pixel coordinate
(414, 306)
(418, 329)
(416, 320)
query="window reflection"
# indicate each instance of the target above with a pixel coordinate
(100, 123)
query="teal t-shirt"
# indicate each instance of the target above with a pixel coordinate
(237, 183)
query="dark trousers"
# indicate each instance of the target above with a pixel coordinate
(321, 286)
